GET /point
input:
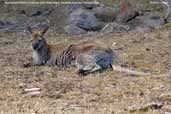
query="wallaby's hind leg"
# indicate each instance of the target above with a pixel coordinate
(86, 69)
(89, 63)
(86, 63)
(96, 68)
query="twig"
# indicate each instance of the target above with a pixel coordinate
(32, 89)
(34, 93)
(152, 105)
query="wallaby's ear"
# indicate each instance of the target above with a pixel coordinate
(38, 30)
(29, 29)
(46, 27)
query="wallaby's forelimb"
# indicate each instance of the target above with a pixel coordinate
(129, 71)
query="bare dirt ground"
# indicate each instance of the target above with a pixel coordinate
(110, 92)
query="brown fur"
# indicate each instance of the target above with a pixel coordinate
(88, 56)
(85, 55)
(75, 48)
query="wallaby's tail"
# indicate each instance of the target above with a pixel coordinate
(129, 71)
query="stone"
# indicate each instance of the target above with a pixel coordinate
(73, 29)
(148, 20)
(85, 20)
(127, 11)
(104, 13)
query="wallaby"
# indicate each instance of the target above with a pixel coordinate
(88, 56)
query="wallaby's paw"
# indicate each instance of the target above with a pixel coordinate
(81, 72)
(50, 63)
(26, 64)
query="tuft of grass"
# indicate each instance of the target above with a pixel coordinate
(157, 34)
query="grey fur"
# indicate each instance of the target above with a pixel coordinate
(94, 60)
(87, 56)
(42, 52)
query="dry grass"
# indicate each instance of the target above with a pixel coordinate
(63, 92)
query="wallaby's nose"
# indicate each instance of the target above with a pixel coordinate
(37, 44)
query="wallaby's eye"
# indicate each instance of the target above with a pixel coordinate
(31, 40)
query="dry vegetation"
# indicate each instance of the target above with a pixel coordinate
(110, 92)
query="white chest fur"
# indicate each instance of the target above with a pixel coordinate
(36, 58)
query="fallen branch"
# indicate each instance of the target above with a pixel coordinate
(32, 91)
(167, 6)
(153, 105)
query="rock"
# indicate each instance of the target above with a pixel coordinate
(2, 23)
(59, 17)
(44, 12)
(2, 3)
(91, 6)
(85, 20)
(73, 29)
(127, 11)
(148, 20)
(13, 19)
(106, 14)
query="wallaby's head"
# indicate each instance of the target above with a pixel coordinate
(37, 33)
